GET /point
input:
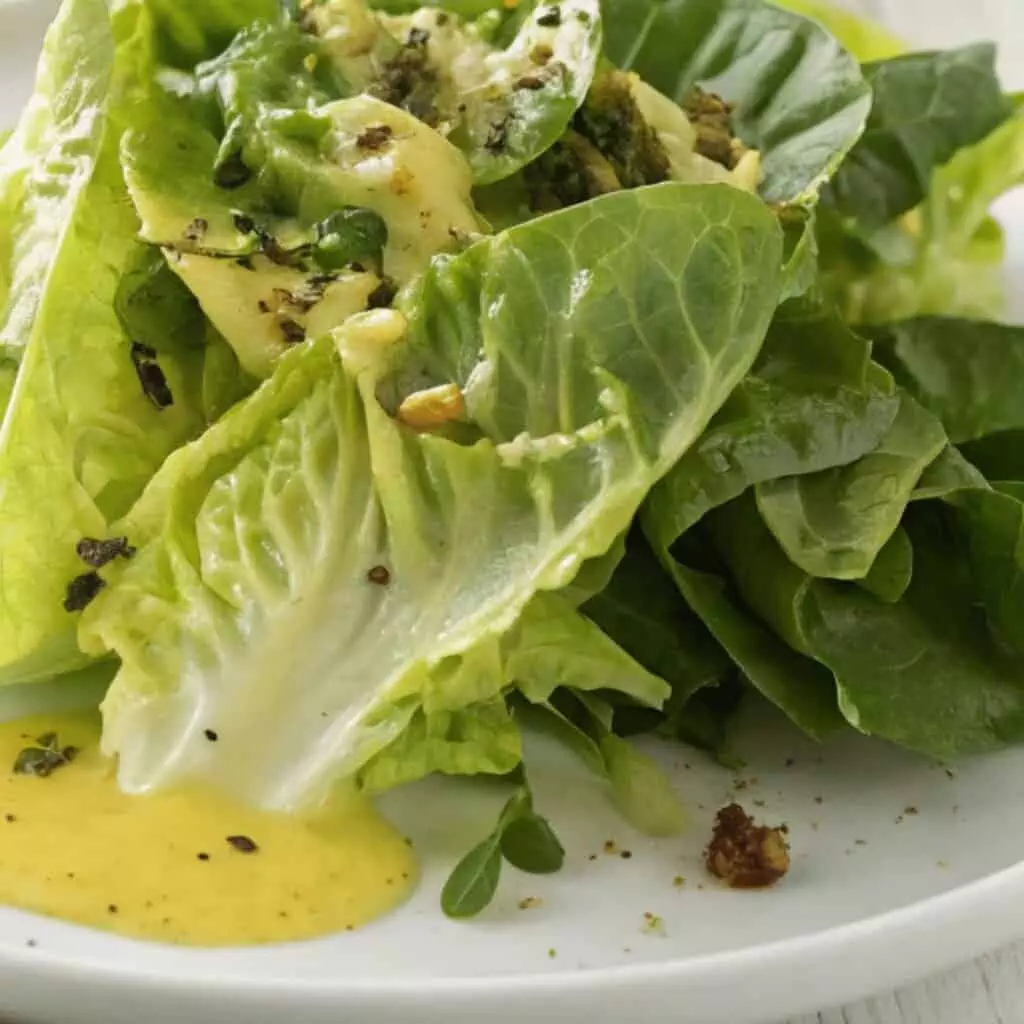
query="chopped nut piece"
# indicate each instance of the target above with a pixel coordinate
(745, 855)
(434, 407)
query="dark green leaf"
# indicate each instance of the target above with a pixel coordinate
(925, 672)
(813, 401)
(799, 97)
(471, 886)
(893, 569)
(926, 107)
(529, 844)
(834, 524)
(642, 610)
(803, 690)
(970, 374)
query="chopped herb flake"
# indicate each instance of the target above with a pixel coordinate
(151, 377)
(99, 553)
(243, 844)
(43, 759)
(82, 590)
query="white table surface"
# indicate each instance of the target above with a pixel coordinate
(990, 990)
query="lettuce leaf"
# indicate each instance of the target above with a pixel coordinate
(800, 99)
(79, 438)
(945, 257)
(311, 568)
(813, 401)
(865, 39)
(968, 373)
(927, 107)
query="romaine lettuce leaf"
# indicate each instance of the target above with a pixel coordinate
(311, 571)
(189, 31)
(813, 401)
(79, 438)
(945, 257)
(925, 671)
(927, 107)
(502, 101)
(968, 373)
(799, 98)
(835, 524)
(865, 39)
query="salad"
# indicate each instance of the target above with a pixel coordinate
(379, 381)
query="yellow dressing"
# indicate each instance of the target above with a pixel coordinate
(73, 846)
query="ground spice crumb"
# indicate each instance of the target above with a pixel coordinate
(243, 844)
(899, 819)
(31, 943)
(202, 856)
(112, 908)
(10, 819)
(790, 761)
(740, 785)
(552, 953)
(592, 856)
(379, 575)
(211, 735)
(759, 803)
(911, 810)
(610, 846)
(746, 855)
(950, 774)
(860, 842)
(942, 865)
(531, 903)
(626, 854)
(819, 799)
(350, 927)
(679, 881)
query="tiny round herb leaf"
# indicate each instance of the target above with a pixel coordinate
(530, 844)
(473, 883)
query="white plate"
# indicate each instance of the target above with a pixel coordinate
(878, 895)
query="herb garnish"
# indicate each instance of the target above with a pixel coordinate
(99, 553)
(43, 759)
(243, 844)
(522, 837)
(151, 377)
(82, 591)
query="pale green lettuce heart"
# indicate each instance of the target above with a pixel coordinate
(312, 573)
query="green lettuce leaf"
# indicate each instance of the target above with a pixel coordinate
(309, 536)
(835, 524)
(968, 373)
(865, 39)
(79, 439)
(927, 106)
(190, 31)
(799, 98)
(925, 671)
(947, 256)
(503, 91)
(813, 401)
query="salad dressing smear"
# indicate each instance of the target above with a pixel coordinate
(186, 866)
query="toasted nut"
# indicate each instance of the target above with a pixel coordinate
(426, 410)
